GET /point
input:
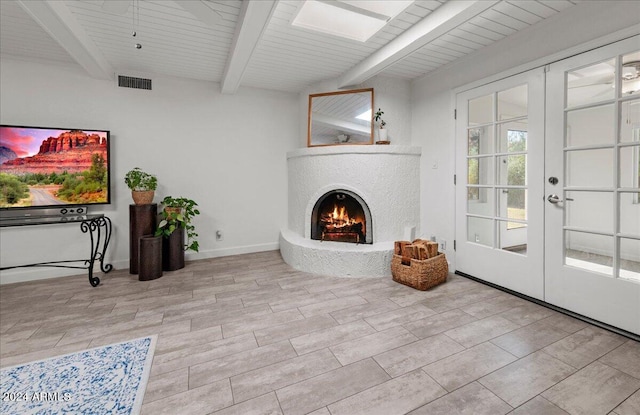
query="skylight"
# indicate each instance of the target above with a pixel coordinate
(366, 116)
(357, 20)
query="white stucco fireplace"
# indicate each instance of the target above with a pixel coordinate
(386, 178)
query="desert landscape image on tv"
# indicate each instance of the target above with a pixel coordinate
(47, 167)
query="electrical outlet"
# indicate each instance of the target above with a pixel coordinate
(433, 238)
(443, 245)
(477, 238)
(219, 235)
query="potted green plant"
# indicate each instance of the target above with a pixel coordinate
(382, 132)
(176, 220)
(142, 185)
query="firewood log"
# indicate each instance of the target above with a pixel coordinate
(432, 249)
(406, 252)
(399, 246)
(420, 252)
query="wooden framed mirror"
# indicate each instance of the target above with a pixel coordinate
(341, 117)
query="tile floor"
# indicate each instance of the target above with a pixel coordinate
(249, 335)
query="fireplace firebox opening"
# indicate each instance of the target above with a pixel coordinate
(341, 216)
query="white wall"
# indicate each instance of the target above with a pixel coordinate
(227, 152)
(433, 97)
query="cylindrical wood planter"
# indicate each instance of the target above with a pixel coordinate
(142, 221)
(173, 251)
(150, 262)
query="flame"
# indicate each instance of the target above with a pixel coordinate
(338, 218)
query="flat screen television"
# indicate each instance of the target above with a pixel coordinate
(53, 167)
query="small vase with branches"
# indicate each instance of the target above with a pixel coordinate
(382, 132)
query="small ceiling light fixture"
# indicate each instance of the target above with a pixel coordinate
(135, 6)
(358, 20)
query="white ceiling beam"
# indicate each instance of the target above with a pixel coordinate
(252, 22)
(440, 21)
(201, 11)
(58, 21)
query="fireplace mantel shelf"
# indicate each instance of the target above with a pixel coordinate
(354, 149)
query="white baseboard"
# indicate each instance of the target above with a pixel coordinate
(237, 250)
(11, 276)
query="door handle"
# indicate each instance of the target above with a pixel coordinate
(556, 199)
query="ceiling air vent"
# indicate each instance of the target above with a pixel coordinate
(132, 82)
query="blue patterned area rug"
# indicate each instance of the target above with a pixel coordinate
(106, 380)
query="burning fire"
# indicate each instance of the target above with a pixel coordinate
(337, 219)
(335, 223)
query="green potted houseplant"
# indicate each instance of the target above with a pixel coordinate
(142, 185)
(176, 220)
(382, 132)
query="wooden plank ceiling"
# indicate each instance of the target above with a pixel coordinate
(253, 43)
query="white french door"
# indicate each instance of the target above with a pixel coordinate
(592, 228)
(548, 192)
(499, 167)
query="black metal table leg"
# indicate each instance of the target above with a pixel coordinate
(95, 228)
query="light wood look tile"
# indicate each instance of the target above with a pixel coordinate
(631, 406)
(472, 399)
(584, 346)
(314, 393)
(595, 389)
(393, 397)
(248, 334)
(471, 364)
(523, 379)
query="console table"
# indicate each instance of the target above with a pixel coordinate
(97, 226)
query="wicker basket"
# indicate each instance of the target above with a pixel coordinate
(420, 274)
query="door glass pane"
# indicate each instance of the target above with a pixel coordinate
(481, 110)
(589, 251)
(630, 214)
(630, 121)
(512, 103)
(480, 231)
(512, 237)
(591, 211)
(591, 126)
(630, 259)
(630, 166)
(591, 84)
(480, 140)
(592, 168)
(631, 74)
(480, 201)
(512, 136)
(513, 204)
(512, 170)
(480, 170)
